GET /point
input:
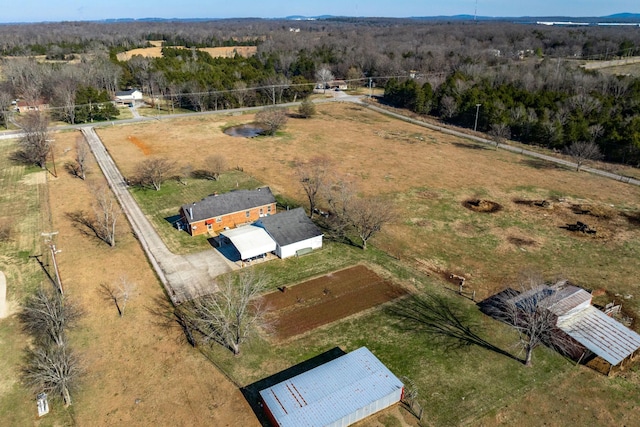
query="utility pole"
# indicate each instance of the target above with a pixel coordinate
(49, 239)
(475, 125)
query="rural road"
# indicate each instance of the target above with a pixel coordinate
(183, 276)
(507, 147)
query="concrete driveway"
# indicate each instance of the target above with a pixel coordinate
(183, 276)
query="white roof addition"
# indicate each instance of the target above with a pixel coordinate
(250, 241)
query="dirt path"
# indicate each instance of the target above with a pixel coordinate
(182, 276)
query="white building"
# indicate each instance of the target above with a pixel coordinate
(336, 394)
(293, 232)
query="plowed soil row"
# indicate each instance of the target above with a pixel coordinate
(323, 300)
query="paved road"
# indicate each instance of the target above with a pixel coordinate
(183, 276)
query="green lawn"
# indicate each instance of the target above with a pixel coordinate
(162, 207)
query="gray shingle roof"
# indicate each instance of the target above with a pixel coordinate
(126, 92)
(223, 204)
(289, 227)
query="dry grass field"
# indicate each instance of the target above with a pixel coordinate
(429, 176)
(138, 369)
(215, 52)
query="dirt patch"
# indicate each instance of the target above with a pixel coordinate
(521, 241)
(480, 205)
(304, 307)
(547, 204)
(146, 150)
(594, 210)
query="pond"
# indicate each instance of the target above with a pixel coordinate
(249, 130)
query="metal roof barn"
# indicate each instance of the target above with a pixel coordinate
(250, 241)
(338, 393)
(601, 334)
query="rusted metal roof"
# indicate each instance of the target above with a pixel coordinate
(601, 334)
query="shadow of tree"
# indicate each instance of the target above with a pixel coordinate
(541, 164)
(251, 392)
(469, 146)
(441, 318)
(82, 222)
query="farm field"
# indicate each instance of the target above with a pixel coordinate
(215, 52)
(326, 299)
(432, 178)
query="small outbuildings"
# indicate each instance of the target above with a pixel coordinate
(293, 232)
(593, 332)
(337, 393)
(229, 210)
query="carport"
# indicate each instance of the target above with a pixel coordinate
(249, 240)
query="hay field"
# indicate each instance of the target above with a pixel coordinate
(215, 52)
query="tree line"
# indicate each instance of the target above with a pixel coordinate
(526, 77)
(547, 102)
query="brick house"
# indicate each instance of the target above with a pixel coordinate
(218, 212)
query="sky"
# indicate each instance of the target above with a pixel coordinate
(83, 10)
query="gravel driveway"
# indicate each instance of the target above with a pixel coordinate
(183, 276)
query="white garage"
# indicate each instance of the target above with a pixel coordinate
(293, 232)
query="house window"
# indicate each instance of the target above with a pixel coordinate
(209, 226)
(269, 208)
(261, 211)
(248, 214)
(219, 219)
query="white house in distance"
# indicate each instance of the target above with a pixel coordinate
(130, 96)
(337, 393)
(293, 232)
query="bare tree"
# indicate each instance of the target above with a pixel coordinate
(5, 106)
(53, 369)
(324, 76)
(307, 108)
(79, 166)
(499, 132)
(526, 310)
(312, 175)
(107, 212)
(46, 316)
(216, 164)
(368, 215)
(120, 294)
(154, 172)
(448, 106)
(35, 144)
(582, 152)
(273, 119)
(229, 316)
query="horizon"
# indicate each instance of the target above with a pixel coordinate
(41, 11)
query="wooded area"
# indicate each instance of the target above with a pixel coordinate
(524, 79)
